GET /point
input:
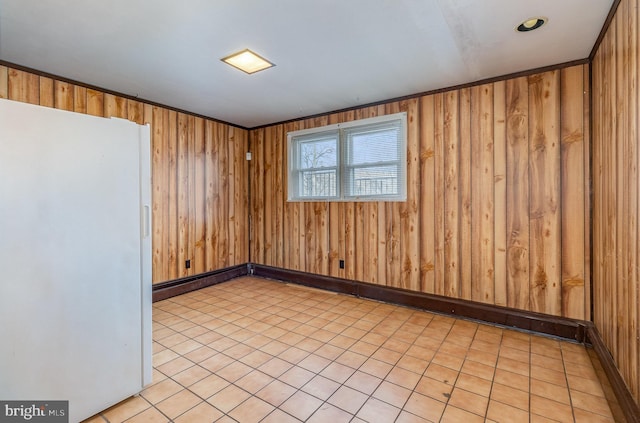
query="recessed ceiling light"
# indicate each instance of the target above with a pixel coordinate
(247, 61)
(531, 24)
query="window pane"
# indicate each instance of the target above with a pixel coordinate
(373, 145)
(318, 153)
(318, 183)
(379, 180)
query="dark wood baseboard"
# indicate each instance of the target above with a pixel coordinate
(164, 290)
(624, 400)
(574, 330)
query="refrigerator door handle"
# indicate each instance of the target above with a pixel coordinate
(146, 219)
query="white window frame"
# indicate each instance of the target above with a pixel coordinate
(342, 168)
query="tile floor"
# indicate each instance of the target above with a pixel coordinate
(255, 350)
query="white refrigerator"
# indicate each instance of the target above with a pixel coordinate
(75, 258)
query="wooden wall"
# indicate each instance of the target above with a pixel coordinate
(616, 185)
(497, 207)
(199, 173)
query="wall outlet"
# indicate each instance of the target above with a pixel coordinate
(341, 264)
(187, 264)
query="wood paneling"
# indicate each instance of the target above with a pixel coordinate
(615, 212)
(199, 174)
(486, 214)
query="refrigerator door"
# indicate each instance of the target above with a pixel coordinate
(75, 248)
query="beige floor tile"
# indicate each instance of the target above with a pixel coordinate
(321, 387)
(348, 399)
(279, 416)
(404, 378)
(425, 406)
(413, 364)
(450, 361)
(126, 409)
(501, 412)
(228, 398)
(191, 375)
(150, 415)
(510, 396)
(591, 403)
(200, 354)
(583, 416)
(513, 366)
(301, 405)
(550, 409)
(252, 410)
(512, 379)
(351, 359)
(376, 368)
(337, 372)
(456, 415)
(160, 391)
(474, 384)
(203, 412)
(296, 377)
(178, 403)
(329, 413)
(208, 386)
(441, 373)
(469, 401)
(375, 410)
(234, 371)
(392, 394)
(276, 392)
(550, 391)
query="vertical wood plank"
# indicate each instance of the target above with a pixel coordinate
(135, 111)
(79, 99)
(173, 228)
(500, 193)
(23, 86)
(279, 153)
(183, 250)
(621, 198)
(572, 189)
(517, 101)
(464, 181)
(412, 254)
(47, 92)
(95, 103)
(211, 196)
(223, 189)
(439, 191)
(586, 119)
(200, 191)
(395, 247)
(545, 192)
(258, 193)
(269, 196)
(427, 194)
(451, 195)
(4, 82)
(63, 95)
(159, 176)
(633, 350)
(115, 106)
(482, 194)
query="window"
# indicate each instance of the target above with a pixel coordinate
(362, 160)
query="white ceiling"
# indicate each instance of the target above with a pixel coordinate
(329, 54)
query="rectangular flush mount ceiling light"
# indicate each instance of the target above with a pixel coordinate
(247, 61)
